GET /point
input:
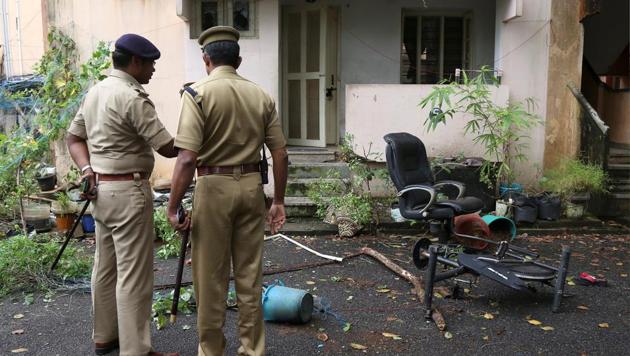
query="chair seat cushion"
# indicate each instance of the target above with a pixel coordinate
(466, 205)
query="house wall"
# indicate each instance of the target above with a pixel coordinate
(566, 44)
(89, 22)
(522, 54)
(25, 35)
(394, 108)
(371, 35)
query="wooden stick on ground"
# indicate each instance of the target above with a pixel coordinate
(436, 315)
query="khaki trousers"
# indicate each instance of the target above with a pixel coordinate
(122, 277)
(228, 226)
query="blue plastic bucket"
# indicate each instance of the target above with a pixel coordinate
(284, 304)
(500, 225)
(87, 222)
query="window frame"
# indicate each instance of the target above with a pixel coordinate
(224, 17)
(467, 48)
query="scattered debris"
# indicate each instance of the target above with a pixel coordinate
(418, 285)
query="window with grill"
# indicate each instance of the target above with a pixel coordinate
(433, 46)
(240, 14)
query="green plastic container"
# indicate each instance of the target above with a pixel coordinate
(500, 225)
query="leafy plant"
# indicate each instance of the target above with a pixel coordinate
(24, 264)
(350, 197)
(162, 303)
(501, 129)
(572, 176)
(164, 231)
(53, 104)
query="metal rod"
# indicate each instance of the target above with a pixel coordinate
(69, 235)
(180, 266)
(429, 279)
(561, 278)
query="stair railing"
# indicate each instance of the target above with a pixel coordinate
(594, 145)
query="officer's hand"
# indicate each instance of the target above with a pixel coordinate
(90, 190)
(276, 217)
(173, 219)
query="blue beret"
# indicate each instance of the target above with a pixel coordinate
(138, 46)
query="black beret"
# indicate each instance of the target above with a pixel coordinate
(138, 46)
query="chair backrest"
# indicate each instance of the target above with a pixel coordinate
(407, 160)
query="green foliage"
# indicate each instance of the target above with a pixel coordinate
(501, 129)
(573, 176)
(165, 232)
(24, 264)
(55, 104)
(162, 303)
(352, 197)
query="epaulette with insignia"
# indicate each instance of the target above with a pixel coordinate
(192, 92)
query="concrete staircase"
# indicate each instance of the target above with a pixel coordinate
(307, 165)
(619, 174)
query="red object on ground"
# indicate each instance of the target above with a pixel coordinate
(588, 279)
(472, 224)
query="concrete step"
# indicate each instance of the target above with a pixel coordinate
(318, 169)
(620, 188)
(619, 170)
(299, 207)
(297, 187)
(618, 151)
(311, 156)
(619, 160)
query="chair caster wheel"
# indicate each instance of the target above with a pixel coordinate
(419, 249)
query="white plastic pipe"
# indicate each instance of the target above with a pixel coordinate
(328, 257)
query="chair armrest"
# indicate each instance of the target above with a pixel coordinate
(425, 188)
(460, 186)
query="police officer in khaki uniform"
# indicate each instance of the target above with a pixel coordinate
(223, 123)
(112, 139)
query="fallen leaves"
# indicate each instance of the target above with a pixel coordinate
(534, 322)
(488, 316)
(393, 336)
(310, 283)
(547, 328)
(347, 327)
(383, 290)
(358, 346)
(603, 325)
(448, 335)
(17, 332)
(20, 350)
(582, 307)
(18, 316)
(322, 337)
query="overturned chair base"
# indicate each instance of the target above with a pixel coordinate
(515, 272)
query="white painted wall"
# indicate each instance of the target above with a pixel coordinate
(371, 35)
(91, 21)
(25, 35)
(374, 110)
(522, 53)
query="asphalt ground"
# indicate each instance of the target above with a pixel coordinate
(488, 319)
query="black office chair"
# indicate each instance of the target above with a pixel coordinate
(509, 265)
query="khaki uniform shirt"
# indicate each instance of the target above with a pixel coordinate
(235, 118)
(120, 125)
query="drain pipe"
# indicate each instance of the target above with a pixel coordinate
(7, 47)
(18, 25)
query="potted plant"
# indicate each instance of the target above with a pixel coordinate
(46, 178)
(348, 203)
(573, 182)
(64, 210)
(502, 130)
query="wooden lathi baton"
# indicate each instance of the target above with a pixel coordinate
(181, 216)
